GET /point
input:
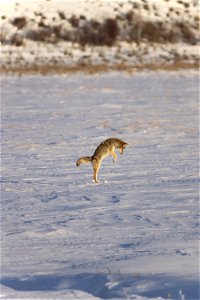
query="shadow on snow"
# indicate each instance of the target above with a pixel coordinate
(109, 286)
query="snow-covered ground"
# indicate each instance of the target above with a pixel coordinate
(81, 32)
(134, 235)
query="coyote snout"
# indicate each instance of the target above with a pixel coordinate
(104, 149)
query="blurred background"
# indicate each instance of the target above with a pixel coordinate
(61, 35)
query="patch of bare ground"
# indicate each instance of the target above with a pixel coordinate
(92, 69)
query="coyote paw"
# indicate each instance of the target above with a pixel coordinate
(96, 181)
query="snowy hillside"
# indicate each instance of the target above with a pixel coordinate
(56, 35)
(134, 235)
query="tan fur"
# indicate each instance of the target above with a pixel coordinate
(104, 149)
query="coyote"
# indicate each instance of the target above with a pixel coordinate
(104, 149)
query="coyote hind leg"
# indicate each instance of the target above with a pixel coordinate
(96, 166)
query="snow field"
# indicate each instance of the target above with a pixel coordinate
(134, 235)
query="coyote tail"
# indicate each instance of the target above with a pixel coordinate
(84, 159)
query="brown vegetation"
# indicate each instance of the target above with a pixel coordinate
(19, 22)
(91, 32)
(91, 69)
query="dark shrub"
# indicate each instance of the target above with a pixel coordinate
(187, 34)
(61, 15)
(111, 28)
(82, 17)
(74, 21)
(96, 33)
(17, 40)
(129, 16)
(95, 25)
(42, 24)
(57, 30)
(146, 6)
(19, 22)
(41, 35)
(151, 31)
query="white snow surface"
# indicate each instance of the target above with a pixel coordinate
(132, 236)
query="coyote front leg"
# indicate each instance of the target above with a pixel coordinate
(114, 155)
